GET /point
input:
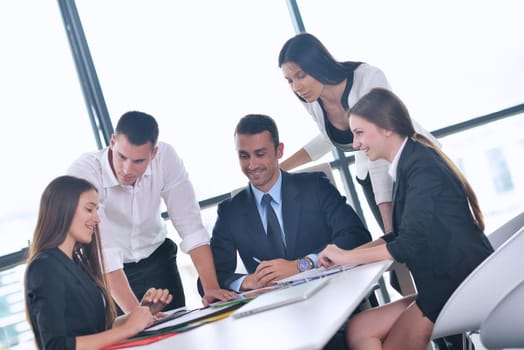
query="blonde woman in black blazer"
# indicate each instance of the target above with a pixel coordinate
(68, 302)
(437, 226)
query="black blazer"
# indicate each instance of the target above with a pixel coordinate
(434, 230)
(62, 301)
(314, 215)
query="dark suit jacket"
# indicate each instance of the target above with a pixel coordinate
(434, 231)
(314, 214)
(62, 300)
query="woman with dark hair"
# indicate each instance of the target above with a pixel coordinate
(437, 226)
(68, 302)
(328, 88)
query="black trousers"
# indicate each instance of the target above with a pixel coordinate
(159, 270)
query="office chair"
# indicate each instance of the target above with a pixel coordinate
(501, 234)
(504, 326)
(478, 294)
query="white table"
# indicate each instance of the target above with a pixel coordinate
(308, 324)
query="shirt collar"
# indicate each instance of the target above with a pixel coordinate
(109, 178)
(275, 191)
(394, 164)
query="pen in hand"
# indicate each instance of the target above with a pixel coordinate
(257, 259)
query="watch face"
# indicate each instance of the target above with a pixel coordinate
(304, 264)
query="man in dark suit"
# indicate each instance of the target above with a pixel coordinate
(310, 213)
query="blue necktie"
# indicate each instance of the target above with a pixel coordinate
(274, 232)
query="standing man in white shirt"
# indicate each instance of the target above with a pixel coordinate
(133, 175)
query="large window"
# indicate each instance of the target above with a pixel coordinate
(44, 120)
(490, 158)
(499, 171)
(199, 66)
(448, 60)
(44, 125)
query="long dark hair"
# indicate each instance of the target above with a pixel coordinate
(58, 205)
(314, 59)
(384, 109)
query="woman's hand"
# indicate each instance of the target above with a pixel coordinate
(138, 319)
(156, 299)
(333, 255)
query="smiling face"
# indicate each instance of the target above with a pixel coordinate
(369, 138)
(258, 159)
(85, 219)
(129, 161)
(302, 83)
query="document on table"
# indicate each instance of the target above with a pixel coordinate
(312, 274)
(189, 316)
(171, 315)
(246, 296)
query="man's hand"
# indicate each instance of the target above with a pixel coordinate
(268, 272)
(203, 261)
(250, 283)
(156, 299)
(212, 295)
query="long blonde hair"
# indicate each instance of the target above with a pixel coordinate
(58, 205)
(384, 109)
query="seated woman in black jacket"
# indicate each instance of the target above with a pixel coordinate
(68, 302)
(437, 226)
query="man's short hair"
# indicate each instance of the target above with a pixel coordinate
(252, 124)
(139, 128)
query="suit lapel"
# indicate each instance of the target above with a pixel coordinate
(393, 207)
(92, 296)
(399, 184)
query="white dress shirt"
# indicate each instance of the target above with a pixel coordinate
(394, 164)
(366, 77)
(131, 226)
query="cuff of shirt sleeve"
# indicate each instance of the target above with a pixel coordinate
(383, 196)
(236, 284)
(314, 258)
(194, 240)
(361, 165)
(381, 182)
(113, 259)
